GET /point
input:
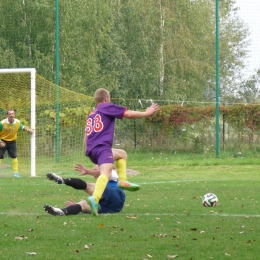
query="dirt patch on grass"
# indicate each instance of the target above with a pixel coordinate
(131, 172)
(4, 166)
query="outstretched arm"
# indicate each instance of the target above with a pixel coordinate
(137, 114)
(83, 170)
(29, 130)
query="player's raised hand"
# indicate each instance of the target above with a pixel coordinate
(30, 131)
(152, 109)
(2, 144)
(81, 168)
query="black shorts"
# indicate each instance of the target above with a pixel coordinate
(11, 149)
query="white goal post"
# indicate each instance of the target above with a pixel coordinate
(32, 72)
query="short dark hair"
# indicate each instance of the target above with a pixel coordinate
(10, 109)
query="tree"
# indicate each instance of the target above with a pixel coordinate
(188, 49)
(249, 89)
(233, 50)
(26, 37)
(152, 49)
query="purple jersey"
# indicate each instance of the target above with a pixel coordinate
(101, 123)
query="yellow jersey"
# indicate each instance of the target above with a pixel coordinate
(8, 131)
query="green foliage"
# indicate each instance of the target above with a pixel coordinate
(175, 115)
(244, 116)
(70, 118)
(248, 90)
(193, 126)
(26, 32)
(136, 49)
(237, 116)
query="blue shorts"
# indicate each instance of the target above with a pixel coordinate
(112, 201)
(101, 154)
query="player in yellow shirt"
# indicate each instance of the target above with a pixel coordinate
(9, 128)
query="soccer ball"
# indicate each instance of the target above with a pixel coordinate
(209, 200)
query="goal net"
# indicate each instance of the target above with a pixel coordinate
(58, 116)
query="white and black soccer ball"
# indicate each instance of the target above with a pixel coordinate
(209, 200)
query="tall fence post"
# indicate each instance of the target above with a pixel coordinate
(57, 85)
(217, 79)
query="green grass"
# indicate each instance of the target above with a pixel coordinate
(164, 218)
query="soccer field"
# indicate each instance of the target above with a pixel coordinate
(165, 219)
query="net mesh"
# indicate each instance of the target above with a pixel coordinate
(73, 109)
(176, 128)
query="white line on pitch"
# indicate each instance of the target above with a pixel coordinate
(145, 214)
(162, 182)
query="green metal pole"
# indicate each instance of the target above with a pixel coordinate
(217, 79)
(57, 85)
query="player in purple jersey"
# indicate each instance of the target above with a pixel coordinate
(99, 140)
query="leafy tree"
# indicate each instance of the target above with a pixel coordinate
(154, 49)
(189, 49)
(25, 33)
(248, 90)
(84, 41)
(136, 38)
(233, 50)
